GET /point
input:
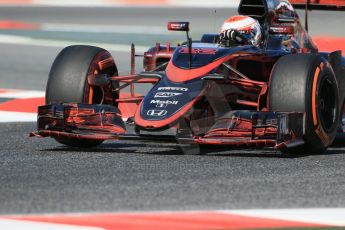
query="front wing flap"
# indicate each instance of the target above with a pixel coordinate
(82, 121)
(275, 129)
(238, 128)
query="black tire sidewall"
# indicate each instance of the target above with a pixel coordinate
(291, 90)
(316, 134)
(68, 75)
(67, 82)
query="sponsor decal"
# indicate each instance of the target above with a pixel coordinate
(173, 89)
(167, 94)
(182, 26)
(206, 51)
(156, 113)
(281, 29)
(163, 104)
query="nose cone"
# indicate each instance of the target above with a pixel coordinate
(166, 103)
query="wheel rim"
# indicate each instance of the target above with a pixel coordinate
(94, 94)
(327, 103)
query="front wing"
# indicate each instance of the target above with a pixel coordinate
(237, 128)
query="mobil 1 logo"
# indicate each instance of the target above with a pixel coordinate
(163, 104)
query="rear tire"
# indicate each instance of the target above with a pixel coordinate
(67, 82)
(306, 83)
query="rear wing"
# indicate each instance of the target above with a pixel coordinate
(335, 5)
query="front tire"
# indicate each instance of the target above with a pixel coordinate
(306, 83)
(68, 83)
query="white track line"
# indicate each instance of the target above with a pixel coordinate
(325, 216)
(7, 224)
(22, 40)
(319, 216)
(118, 29)
(73, 3)
(121, 3)
(206, 3)
(17, 117)
(22, 94)
(9, 116)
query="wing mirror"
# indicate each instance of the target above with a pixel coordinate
(183, 26)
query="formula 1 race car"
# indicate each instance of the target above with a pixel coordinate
(280, 93)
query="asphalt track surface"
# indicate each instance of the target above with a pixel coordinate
(41, 176)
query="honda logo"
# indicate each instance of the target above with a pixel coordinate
(157, 113)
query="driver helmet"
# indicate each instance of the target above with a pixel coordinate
(247, 26)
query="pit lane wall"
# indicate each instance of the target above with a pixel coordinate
(126, 3)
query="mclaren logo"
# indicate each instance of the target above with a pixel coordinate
(157, 113)
(166, 94)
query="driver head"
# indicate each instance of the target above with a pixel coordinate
(247, 26)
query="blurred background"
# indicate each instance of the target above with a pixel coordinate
(32, 32)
